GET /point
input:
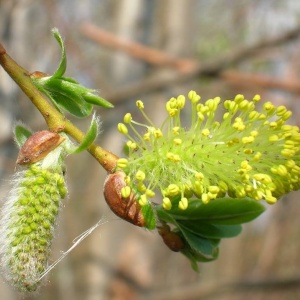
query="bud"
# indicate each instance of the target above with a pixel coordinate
(126, 208)
(37, 146)
(170, 238)
(65, 92)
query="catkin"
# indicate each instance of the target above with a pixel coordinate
(27, 224)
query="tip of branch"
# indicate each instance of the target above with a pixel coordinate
(2, 50)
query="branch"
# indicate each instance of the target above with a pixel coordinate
(212, 69)
(264, 81)
(211, 290)
(54, 119)
(136, 50)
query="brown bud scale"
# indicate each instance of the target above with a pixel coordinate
(37, 146)
(38, 74)
(170, 238)
(126, 208)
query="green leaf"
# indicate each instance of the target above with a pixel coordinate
(206, 248)
(44, 91)
(21, 134)
(197, 248)
(199, 227)
(193, 257)
(96, 100)
(125, 149)
(196, 257)
(64, 92)
(149, 216)
(66, 95)
(211, 231)
(63, 62)
(90, 136)
(202, 226)
(69, 79)
(164, 215)
(73, 106)
(224, 211)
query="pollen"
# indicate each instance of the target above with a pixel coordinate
(140, 175)
(167, 204)
(143, 200)
(122, 163)
(176, 130)
(194, 97)
(205, 132)
(183, 203)
(125, 192)
(122, 128)
(149, 193)
(177, 141)
(140, 104)
(127, 118)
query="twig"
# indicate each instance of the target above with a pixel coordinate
(264, 81)
(212, 69)
(137, 50)
(211, 290)
(54, 119)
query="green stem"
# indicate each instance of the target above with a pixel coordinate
(55, 120)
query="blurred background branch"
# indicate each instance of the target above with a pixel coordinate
(213, 290)
(189, 69)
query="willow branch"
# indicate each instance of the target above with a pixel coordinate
(211, 290)
(55, 120)
(260, 80)
(206, 69)
(134, 49)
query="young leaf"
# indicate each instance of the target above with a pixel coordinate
(163, 215)
(193, 258)
(196, 257)
(211, 231)
(224, 211)
(202, 228)
(65, 92)
(96, 100)
(21, 134)
(63, 62)
(197, 248)
(66, 95)
(204, 247)
(207, 248)
(149, 216)
(90, 136)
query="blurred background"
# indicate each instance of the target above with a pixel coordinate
(153, 50)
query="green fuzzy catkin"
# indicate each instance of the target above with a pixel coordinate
(28, 222)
